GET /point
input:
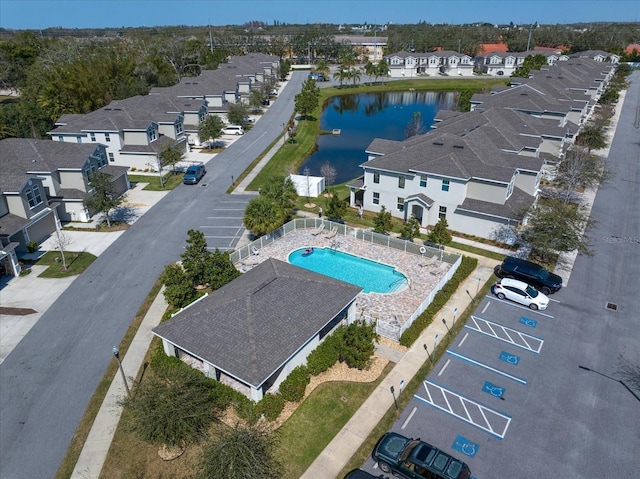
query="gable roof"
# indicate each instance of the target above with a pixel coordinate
(252, 326)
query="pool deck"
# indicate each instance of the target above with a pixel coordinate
(391, 310)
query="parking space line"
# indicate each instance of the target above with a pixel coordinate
(509, 335)
(413, 411)
(485, 308)
(511, 303)
(493, 422)
(486, 366)
(463, 339)
(444, 367)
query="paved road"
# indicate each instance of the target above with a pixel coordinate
(48, 379)
(517, 404)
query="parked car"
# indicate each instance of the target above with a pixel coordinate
(520, 292)
(359, 474)
(416, 459)
(530, 273)
(194, 174)
(233, 130)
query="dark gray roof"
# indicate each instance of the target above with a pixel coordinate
(250, 327)
(514, 208)
(21, 157)
(10, 224)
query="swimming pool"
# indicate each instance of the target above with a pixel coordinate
(371, 276)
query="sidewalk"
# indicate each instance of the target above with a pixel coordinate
(340, 450)
(96, 447)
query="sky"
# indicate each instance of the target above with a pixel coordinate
(42, 14)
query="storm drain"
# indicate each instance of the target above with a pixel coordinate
(612, 306)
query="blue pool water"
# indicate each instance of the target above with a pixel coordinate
(371, 276)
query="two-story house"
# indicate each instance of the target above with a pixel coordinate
(43, 183)
(443, 62)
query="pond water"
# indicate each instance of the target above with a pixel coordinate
(366, 116)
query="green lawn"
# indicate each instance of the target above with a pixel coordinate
(171, 180)
(77, 262)
(317, 421)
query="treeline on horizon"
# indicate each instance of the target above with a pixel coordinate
(75, 71)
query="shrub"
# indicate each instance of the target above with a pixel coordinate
(356, 344)
(426, 318)
(292, 388)
(324, 356)
(270, 406)
(32, 246)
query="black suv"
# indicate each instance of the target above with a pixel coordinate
(530, 273)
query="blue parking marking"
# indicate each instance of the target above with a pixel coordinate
(465, 446)
(509, 358)
(528, 321)
(486, 366)
(492, 389)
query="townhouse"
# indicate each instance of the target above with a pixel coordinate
(442, 63)
(42, 184)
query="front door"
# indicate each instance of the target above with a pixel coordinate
(416, 211)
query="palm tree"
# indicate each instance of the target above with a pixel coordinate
(341, 75)
(262, 215)
(322, 67)
(354, 74)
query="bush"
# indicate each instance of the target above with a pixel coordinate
(356, 344)
(270, 406)
(324, 356)
(32, 246)
(292, 388)
(426, 318)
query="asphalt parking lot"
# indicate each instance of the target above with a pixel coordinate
(503, 399)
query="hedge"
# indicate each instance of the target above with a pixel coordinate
(270, 406)
(413, 332)
(324, 356)
(292, 388)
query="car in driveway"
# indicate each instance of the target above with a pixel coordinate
(359, 474)
(232, 130)
(416, 459)
(194, 174)
(529, 272)
(520, 292)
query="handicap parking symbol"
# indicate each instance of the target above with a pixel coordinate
(509, 358)
(492, 389)
(528, 322)
(465, 446)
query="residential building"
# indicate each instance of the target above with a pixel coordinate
(442, 63)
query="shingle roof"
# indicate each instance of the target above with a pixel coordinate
(514, 208)
(250, 327)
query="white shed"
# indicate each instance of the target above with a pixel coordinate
(311, 186)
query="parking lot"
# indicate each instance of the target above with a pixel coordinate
(502, 398)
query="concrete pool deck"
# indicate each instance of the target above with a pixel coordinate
(390, 310)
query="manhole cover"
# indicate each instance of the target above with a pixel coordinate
(612, 306)
(344, 399)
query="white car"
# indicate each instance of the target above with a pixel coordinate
(520, 292)
(232, 130)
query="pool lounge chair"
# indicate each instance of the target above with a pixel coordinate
(318, 230)
(332, 233)
(255, 251)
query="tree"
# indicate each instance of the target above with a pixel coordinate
(382, 69)
(263, 215)
(592, 137)
(329, 173)
(440, 234)
(322, 68)
(464, 100)
(307, 100)
(103, 196)
(579, 168)
(371, 70)
(357, 344)
(169, 156)
(61, 243)
(210, 128)
(410, 229)
(354, 75)
(336, 208)
(415, 126)
(282, 191)
(237, 114)
(175, 405)
(195, 258)
(341, 75)
(531, 62)
(220, 269)
(241, 452)
(178, 287)
(556, 228)
(256, 98)
(284, 69)
(382, 221)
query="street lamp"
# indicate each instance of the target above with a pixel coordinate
(116, 353)
(393, 393)
(427, 350)
(284, 135)
(455, 311)
(444, 321)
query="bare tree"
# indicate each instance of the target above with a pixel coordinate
(61, 243)
(629, 372)
(329, 173)
(579, 168)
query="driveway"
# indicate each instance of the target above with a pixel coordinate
(50, 376)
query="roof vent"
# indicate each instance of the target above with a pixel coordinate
(439, 143)
(460, 147)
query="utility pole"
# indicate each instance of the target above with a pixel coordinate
(210, 39)
(529, 40)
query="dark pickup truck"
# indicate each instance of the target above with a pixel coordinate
(193, 174)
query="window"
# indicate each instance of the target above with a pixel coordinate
(111, 158)
(107, 137)
(93, 137)
(376, 177)
(152, 134)
(442, 212)
(60, 138)
(179, 127)
(510, 189)
(400, 204)
(423, 181)
(33, 196)
(376, 198)
(445, 185)
(401, 181)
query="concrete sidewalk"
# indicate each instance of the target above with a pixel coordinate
(340, 450)
(96, 447)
